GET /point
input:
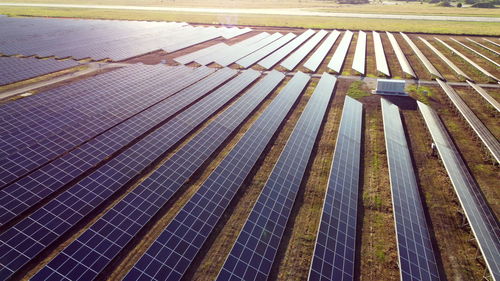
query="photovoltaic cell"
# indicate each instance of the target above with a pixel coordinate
(319, 55)
(194, 223)
(482, 220)
(120, 224)
(428, 65)
(490, 141)
(403, 62)
(31, 235)
(444, 58)
(471, 62)
(13, 69)
(282, 52)
(358, 62)
(493, 102)
(417, 260)
(294, 59)
(334, 250)
(262, 53)
(254, 251)
(380, 58)
(338, 57)
(483, 46)
(185, 59)
(476, 52)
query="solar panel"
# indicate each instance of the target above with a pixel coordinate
(19, 196)
(13, 69)
(185, 59)
(492, 101)
(137, 208)
(403, 62)
(282, 52)
(338, 57)
(494, 43)
(358, 62)
(380, 58)
(489, 141)
(194, 223)
(68, 208)
(334, 250)
(243, 51)
(481, 219)
(428, 65)
(294, 59)
(254, 251)
(416, 257)
(483, 46)
(261, 53)
(453, 50)
(445, 59)
(476, 52)
(319, 55)
(232, 48)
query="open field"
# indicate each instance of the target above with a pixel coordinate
(134, 107)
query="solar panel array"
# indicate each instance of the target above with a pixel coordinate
(282, 52)
(20, 195)
(483, 46)
(358, 62)
(444, 58)
(22, 242)
(488, 139)
(254, 251)
(482, 220)
(492, 101)
(319, 55)
(185, 59)
(189, 230)
(428, 65)
(476, 52)
(403, 62)
(380, 58)
(294, 59)
(484, 71)
(338, 57)
(263, 52)
(417, 260)
(14, 69)
(334, 250)
(120, 224)
(101, 39)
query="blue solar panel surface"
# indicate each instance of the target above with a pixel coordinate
(417, 260)
(334, 251)
(254, 251)
(174, 250)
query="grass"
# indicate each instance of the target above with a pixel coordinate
(356, 90)
(442, 27)
(421, 93)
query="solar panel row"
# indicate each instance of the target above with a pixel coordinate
(380, 58)
(338, 57)
(492, 101)
(13, 69)
(428, 65)
(243, 51)
(185, 59)
(319, 55)
(476, 52)
(416, 257)
(334, 250)
(482, 220)
(358, 62)
(403, 62)
(489, 141)
(294, 59)
(282, 52)
(23, 194)
(262, 53)
(171, 254)
(484, 71)
(254, 251)
(131, 101)
(120, 224)
(492, 42)
(483, 46)
(445, 59)
(26, 239)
